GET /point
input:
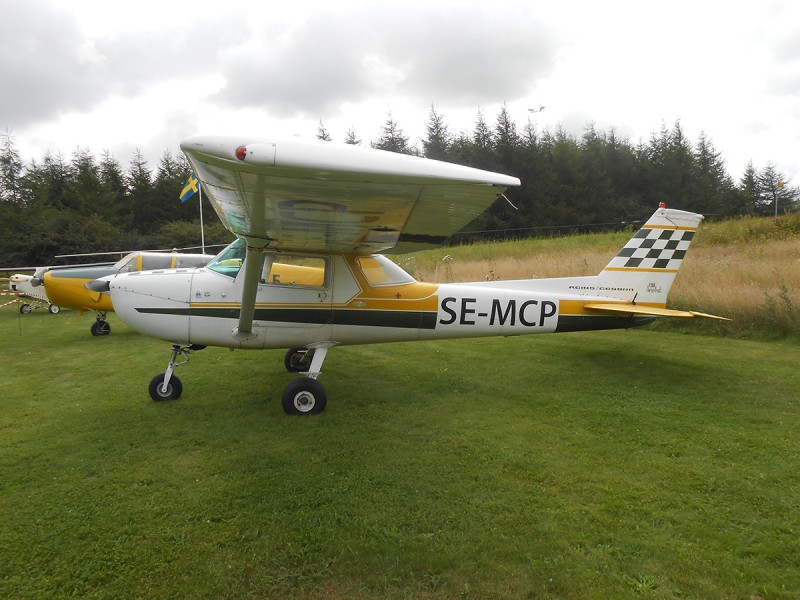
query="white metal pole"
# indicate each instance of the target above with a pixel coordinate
(202, 233)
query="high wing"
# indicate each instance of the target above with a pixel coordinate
(321, 196)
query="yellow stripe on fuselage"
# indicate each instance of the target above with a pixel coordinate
(572, 308)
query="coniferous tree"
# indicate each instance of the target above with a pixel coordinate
(322, 133)
(437, 143)
(392, 138)
(482, 144)
(711, 186)
(11, 168)
(505, 142)
(140, 193)
(170, 177)
(117, 208)
(351, 138)
(774, 194)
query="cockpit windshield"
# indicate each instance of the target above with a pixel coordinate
(229, 261)
(127, 264)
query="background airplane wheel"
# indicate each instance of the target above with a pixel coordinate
(174, 388)
(101, 328)
(25, 308)
(293, 358)
(304, 396)
(53, 309)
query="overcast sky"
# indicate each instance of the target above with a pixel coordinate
(108, 75)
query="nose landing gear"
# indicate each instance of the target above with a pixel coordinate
(166, 385)
(100, 326)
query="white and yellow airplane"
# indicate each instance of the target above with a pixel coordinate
(22, 285)
(305, 272)
(66, 286)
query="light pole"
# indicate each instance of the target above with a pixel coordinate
(775, 197)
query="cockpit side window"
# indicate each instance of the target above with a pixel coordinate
(279, 269)
(295, 270)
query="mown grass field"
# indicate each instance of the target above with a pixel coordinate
(623, 464)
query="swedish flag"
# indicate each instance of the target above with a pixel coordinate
(190, 189)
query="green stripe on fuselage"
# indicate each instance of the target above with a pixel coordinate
(593, 323)
(406, 319)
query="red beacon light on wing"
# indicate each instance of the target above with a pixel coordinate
(660, 204)
(241, 152)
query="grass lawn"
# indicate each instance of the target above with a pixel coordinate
(624, 464)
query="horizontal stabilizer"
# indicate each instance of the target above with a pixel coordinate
(637, 309)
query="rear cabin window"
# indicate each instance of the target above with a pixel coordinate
(379, 271)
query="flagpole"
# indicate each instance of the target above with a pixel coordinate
(202, 233)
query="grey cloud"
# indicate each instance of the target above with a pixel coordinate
(50, 68)
(785, 80)
(41, 65)
(444, 57)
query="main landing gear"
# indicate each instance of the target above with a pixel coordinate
(26, 308)
(100, 326)
(303, 396)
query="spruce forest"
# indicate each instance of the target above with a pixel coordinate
(598, 181)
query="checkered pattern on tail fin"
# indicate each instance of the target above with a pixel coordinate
(644, 270)
(654, 248)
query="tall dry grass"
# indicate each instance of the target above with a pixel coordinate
(745, 269)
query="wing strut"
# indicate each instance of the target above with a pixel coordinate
(253, 263)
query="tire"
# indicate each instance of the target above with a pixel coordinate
(25, 309)
(293, 358)
(53, 309)
(304, 396)
(100, 328)
(174, 389)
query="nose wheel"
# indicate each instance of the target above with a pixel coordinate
(166, 385)
(159, 392)
(100, 326)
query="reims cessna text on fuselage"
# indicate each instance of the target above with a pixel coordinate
(306, 272)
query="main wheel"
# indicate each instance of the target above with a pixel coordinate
(304, 396)
(25, 309)
(174, 388)
(293, 361)
(53, 309)
(100, 328)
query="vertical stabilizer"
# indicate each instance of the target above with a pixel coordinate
(644, 270)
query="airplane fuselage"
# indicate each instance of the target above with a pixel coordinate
(347, 304)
